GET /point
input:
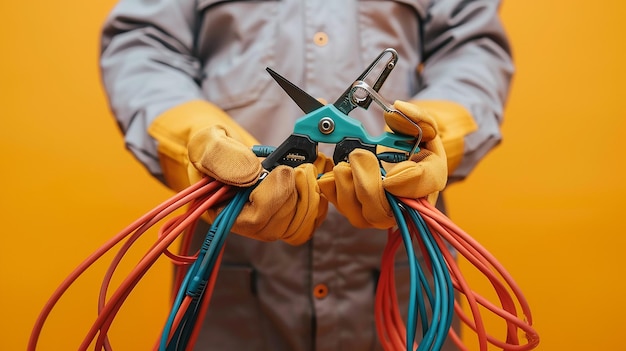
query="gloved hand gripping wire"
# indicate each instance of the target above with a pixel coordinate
(420, 224)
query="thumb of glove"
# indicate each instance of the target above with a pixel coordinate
(426, 172)
(416, 116)
(214, 151)
(355, 188)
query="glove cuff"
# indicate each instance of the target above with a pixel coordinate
(454, 122)
(174, 128)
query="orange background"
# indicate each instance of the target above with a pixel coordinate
(546, 202)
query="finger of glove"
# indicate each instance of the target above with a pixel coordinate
(214, 152)
(425, 174)
(311, 207)
(323, 163)
(417, 115)
(338, 187)
(328, 187)
(326, 182)
(343, 194)
(369, 190)
(267, 214)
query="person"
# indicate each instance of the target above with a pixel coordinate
(187, 84)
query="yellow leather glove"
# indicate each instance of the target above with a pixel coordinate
(357, 188)
(197, 139)
(174, 129)
(286, 205)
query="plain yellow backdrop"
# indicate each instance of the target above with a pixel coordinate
(548, 202)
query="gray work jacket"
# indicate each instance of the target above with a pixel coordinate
(158, 54)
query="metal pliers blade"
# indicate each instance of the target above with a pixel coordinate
(297, 148)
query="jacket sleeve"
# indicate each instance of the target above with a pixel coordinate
(147, 66)
(468, 60)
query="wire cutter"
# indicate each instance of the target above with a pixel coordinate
(331, 124)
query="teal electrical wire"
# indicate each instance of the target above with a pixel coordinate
(434, 333)
(427, 339)
(442, 311)
(415, 291)
(413, 268)
(192, 273)
(195, 280)
(206, 270)
(182, 292)
(445, 272)
(205, 264)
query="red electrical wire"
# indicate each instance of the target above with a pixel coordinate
(206, 298)
(108, 312)
(391, 328)
(182, 261)
(485, 262)
(200, 197)
(127, 245)
(389, 325)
